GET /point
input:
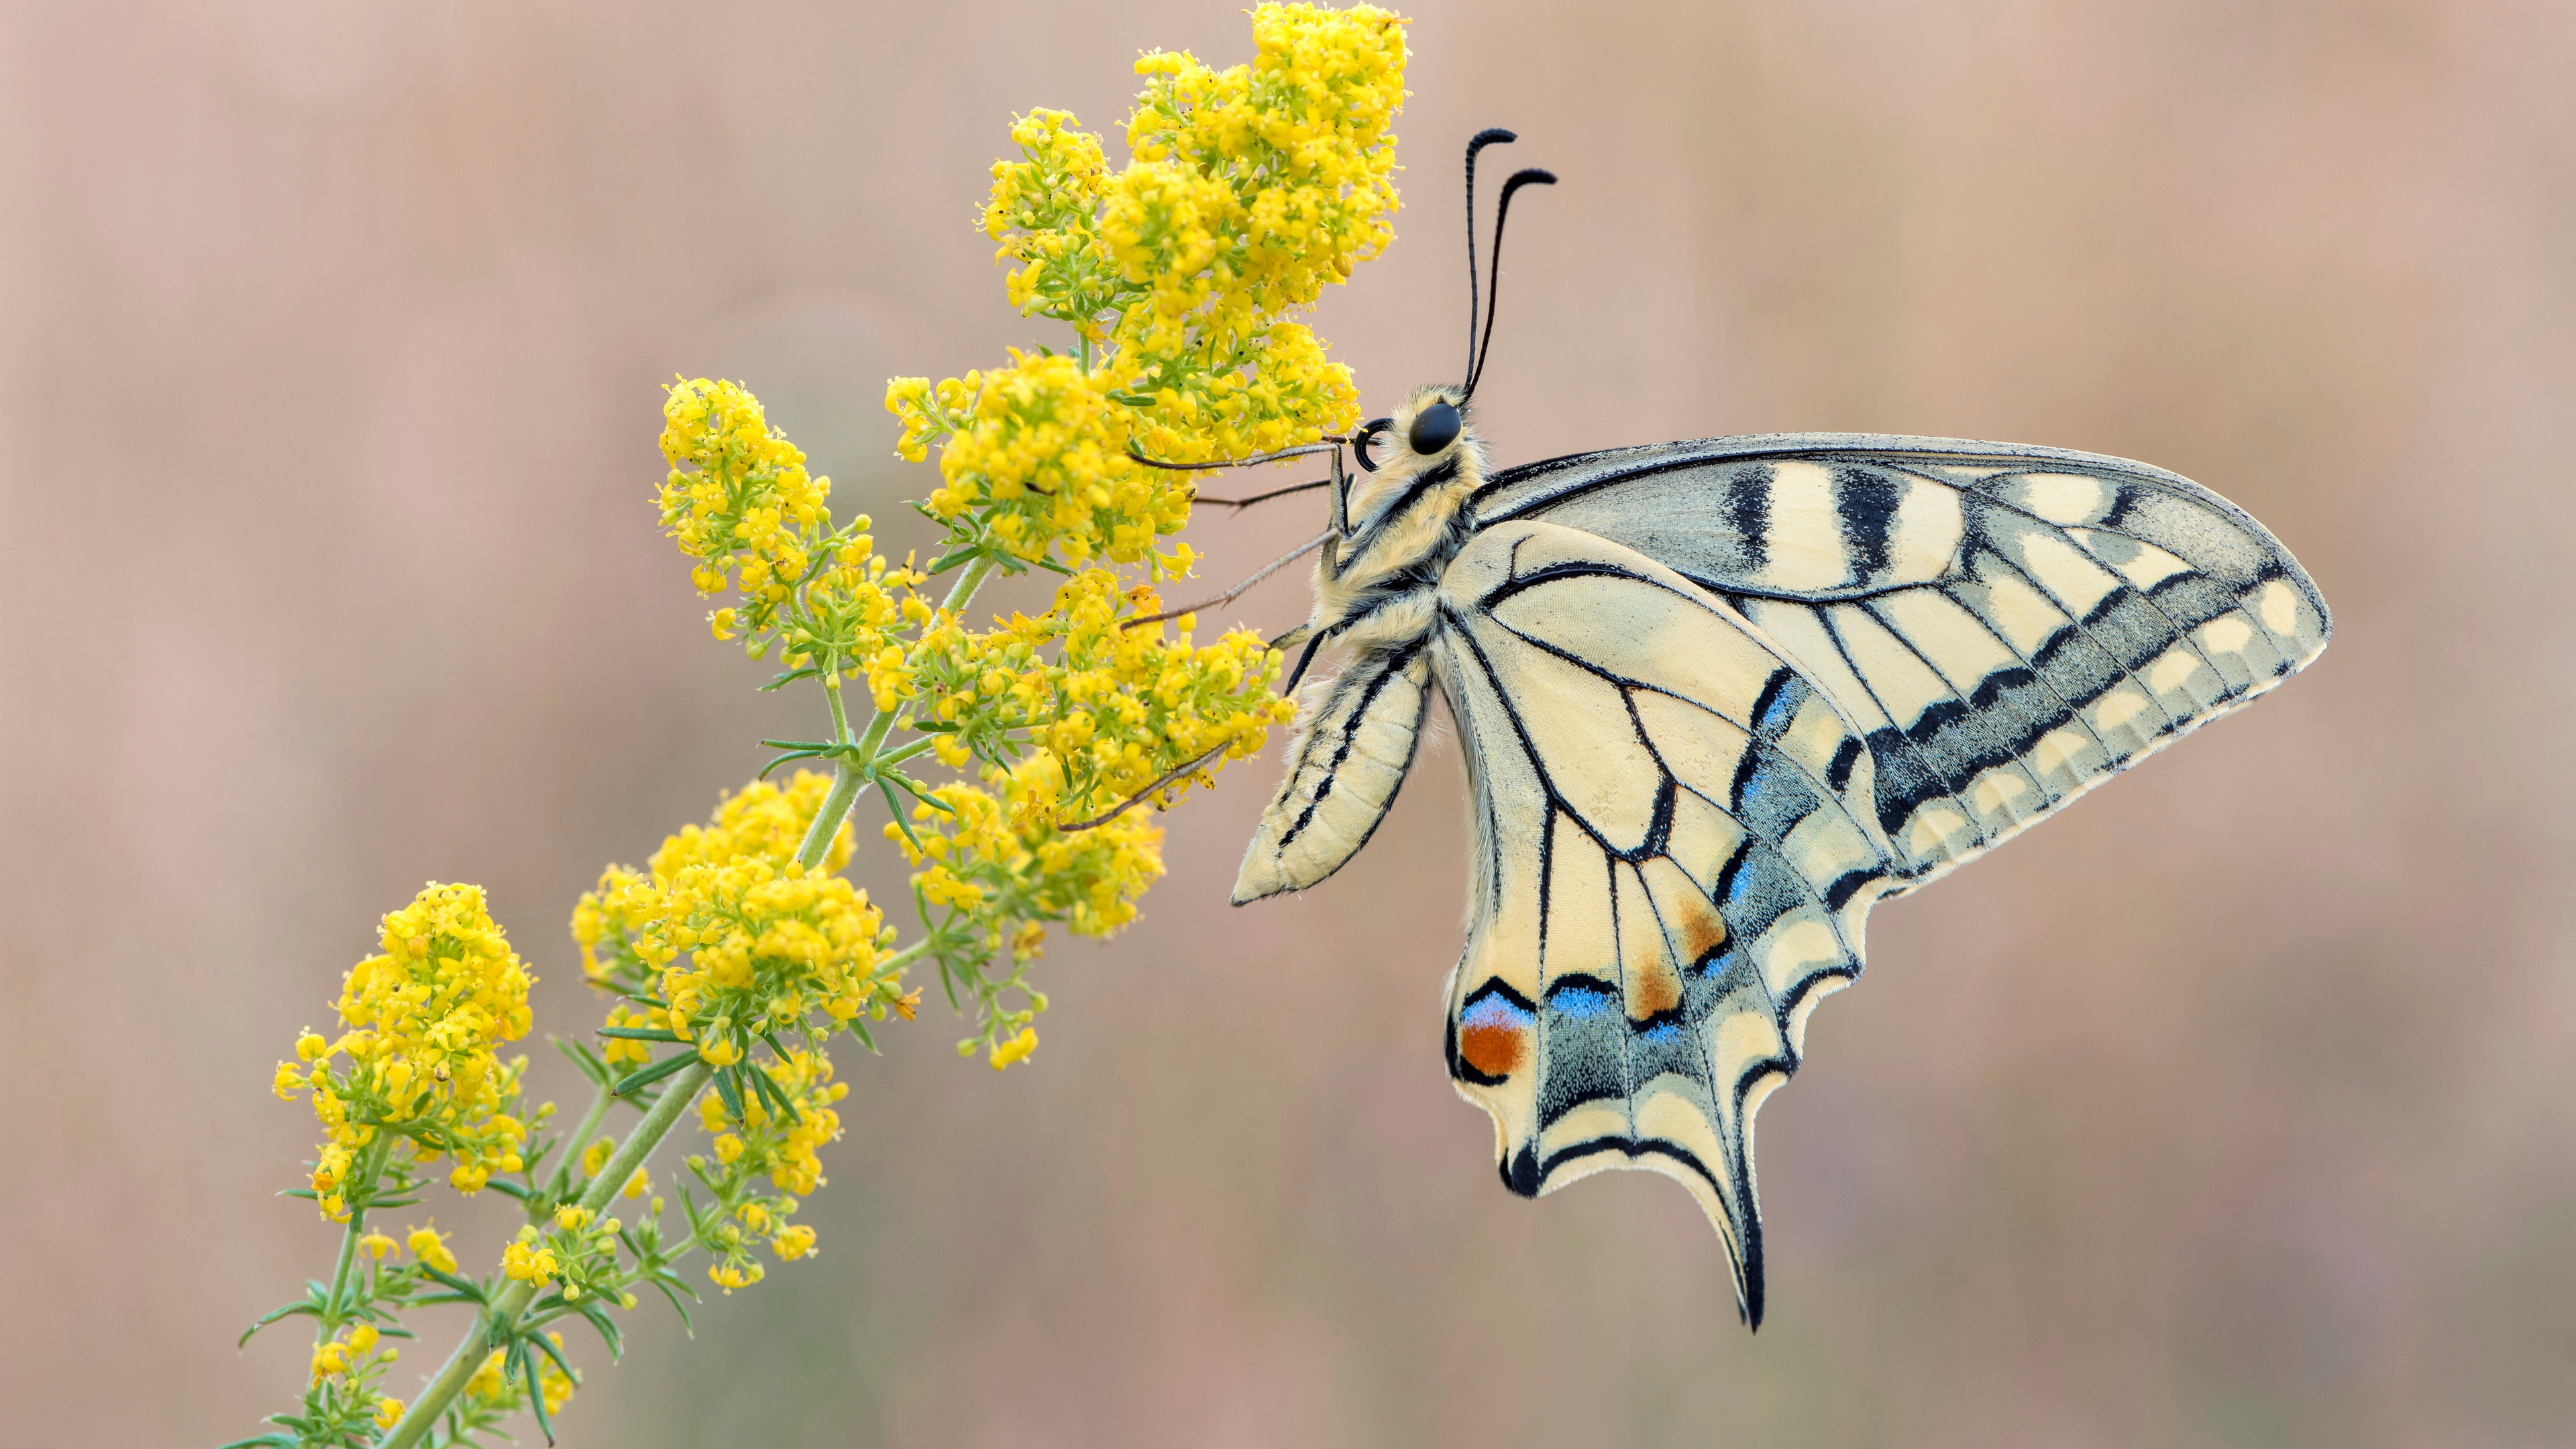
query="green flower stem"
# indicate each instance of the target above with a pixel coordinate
(857, 770)
(600, 1101)
(330, 1323)
(514, 1300)
(370, 1168)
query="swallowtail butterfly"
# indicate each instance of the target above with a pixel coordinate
(1716, 700)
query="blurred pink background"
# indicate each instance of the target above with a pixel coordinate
(2239, 1108)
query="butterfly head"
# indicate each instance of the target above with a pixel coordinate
(1432, 425)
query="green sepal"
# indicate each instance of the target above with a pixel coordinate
(646, 1076)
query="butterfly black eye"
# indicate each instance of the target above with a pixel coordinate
(1434, 428)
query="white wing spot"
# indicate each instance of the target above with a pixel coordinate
(1925, 540)
(1996, 791)
(1803, 547)
(2171, 669)
(2226, 634)
(2059, 749)
(2279, 606)
(2064, 497)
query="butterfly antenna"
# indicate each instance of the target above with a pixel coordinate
(1494, 278)
(1476, 143)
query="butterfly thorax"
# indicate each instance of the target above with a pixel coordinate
(1374, 588)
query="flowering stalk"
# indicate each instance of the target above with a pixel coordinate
(739, 954)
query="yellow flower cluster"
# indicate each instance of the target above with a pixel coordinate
(1042, 211)
(743, 504)
(1040, 449)
(337, 1356)
(768, 943)
(752, 1141)
(420, 1063)
(1249, 190)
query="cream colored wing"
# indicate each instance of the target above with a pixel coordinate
(1342, 773)
(1675, 856)
(2009, 625)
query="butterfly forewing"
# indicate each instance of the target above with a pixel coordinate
(2009, 626)
(1343, 773)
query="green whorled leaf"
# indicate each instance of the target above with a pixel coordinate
(302, 1307)
(789, 758)
(646, 1076)
(472, 1291)
(585, 1060)
(859, 1029)
(608, 1331)
(536, 1394)
(679, 1307)
(508, 1189)
(894, 808)
(778, 1097)
(546, 1345)
(726, 1088)
(641, 1033)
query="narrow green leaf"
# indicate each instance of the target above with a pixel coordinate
(667, 1066)
(727, 1089)
(859, 1029)
(681, 1308)
(894, 808)
(273, 1315)
(536, 1393)
(472, 1291)
(778, 1095)
(608, 1332)
(786, 759)
(508, 1189)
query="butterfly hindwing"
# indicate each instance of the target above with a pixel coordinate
(2008, 625)
(1675, 858)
